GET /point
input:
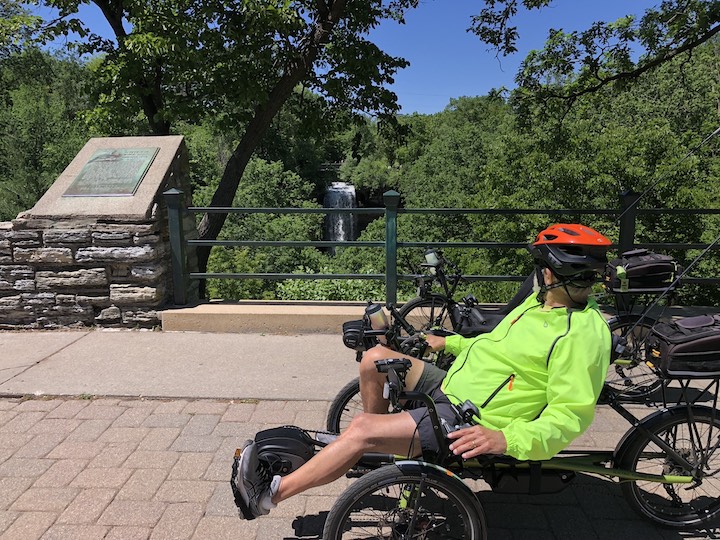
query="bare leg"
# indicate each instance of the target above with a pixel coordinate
(372, 382)
(390, 433)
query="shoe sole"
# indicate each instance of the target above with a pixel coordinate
(238, 489)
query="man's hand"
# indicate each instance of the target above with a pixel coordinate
(436, 343)
(476, 440)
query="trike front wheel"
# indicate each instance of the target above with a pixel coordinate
(694, 433)
(392, 503)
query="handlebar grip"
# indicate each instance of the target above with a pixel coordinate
(442, 332)
(468, 410)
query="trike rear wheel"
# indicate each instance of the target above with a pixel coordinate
(391, 503)
(694, 433)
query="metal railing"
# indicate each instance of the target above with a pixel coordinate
(628, 214)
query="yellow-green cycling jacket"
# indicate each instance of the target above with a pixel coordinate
(545, 367)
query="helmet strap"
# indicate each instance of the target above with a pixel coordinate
(543, 288)
(561, 282)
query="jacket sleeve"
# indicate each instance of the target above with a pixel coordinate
(456, 343)
(577, 368)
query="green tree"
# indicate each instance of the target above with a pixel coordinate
(573, 64)
(240, 60)
(267, 185)
(476, 154)
(41, 98)
(16, 27)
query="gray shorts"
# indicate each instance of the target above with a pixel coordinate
(429, 383)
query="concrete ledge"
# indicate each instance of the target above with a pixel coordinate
(289, 318)
(263, 318)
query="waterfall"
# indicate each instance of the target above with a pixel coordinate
(340, 227)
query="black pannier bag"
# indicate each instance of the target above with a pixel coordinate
(354, 336)
(642, 271)
(687, 348)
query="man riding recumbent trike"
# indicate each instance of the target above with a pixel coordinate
(507, 407)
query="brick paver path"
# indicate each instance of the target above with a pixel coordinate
(136, 469)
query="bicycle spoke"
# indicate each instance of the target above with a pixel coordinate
(633, 380)
(412, 508)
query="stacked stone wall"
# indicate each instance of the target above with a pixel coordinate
(80, 272)
(95, 259)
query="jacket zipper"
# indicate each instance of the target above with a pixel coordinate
(508, 381)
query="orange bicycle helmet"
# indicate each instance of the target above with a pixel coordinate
(573, 252)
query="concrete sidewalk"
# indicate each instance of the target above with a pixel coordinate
(174, 364)
(124, 435)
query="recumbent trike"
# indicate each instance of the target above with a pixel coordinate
(667, 464)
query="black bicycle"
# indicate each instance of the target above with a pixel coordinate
(433, 309)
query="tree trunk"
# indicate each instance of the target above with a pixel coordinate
(150, 90)
(211, 224)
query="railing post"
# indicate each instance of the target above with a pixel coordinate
(628, 217)
(176, 211)
(392, 201)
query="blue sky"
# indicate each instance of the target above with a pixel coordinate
(448, 62)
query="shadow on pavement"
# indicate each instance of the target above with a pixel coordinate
(308, 527)
(590, 508)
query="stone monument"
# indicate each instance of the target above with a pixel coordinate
(95, 248)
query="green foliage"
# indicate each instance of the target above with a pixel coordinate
(480, 153)
(41, 98)
(578, 63)
(305, 135)
(329, 289)
(180, 60)
(16, 27)
(206, 70)
(267, 185)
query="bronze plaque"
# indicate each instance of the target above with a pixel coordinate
(112, 172)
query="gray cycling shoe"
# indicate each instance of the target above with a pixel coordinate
(251, 482)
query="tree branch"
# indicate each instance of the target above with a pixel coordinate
(150, 94)
(635, 73)
(311, 44)
(113, 15)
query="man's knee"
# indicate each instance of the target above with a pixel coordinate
(377, 432)
(360, 427)
(367, 363)
(378, 352)
(362, 431)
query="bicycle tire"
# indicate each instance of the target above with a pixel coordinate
(384, 502)
(635, 381)
(422, 312)
(675, 505)
(344, 406)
